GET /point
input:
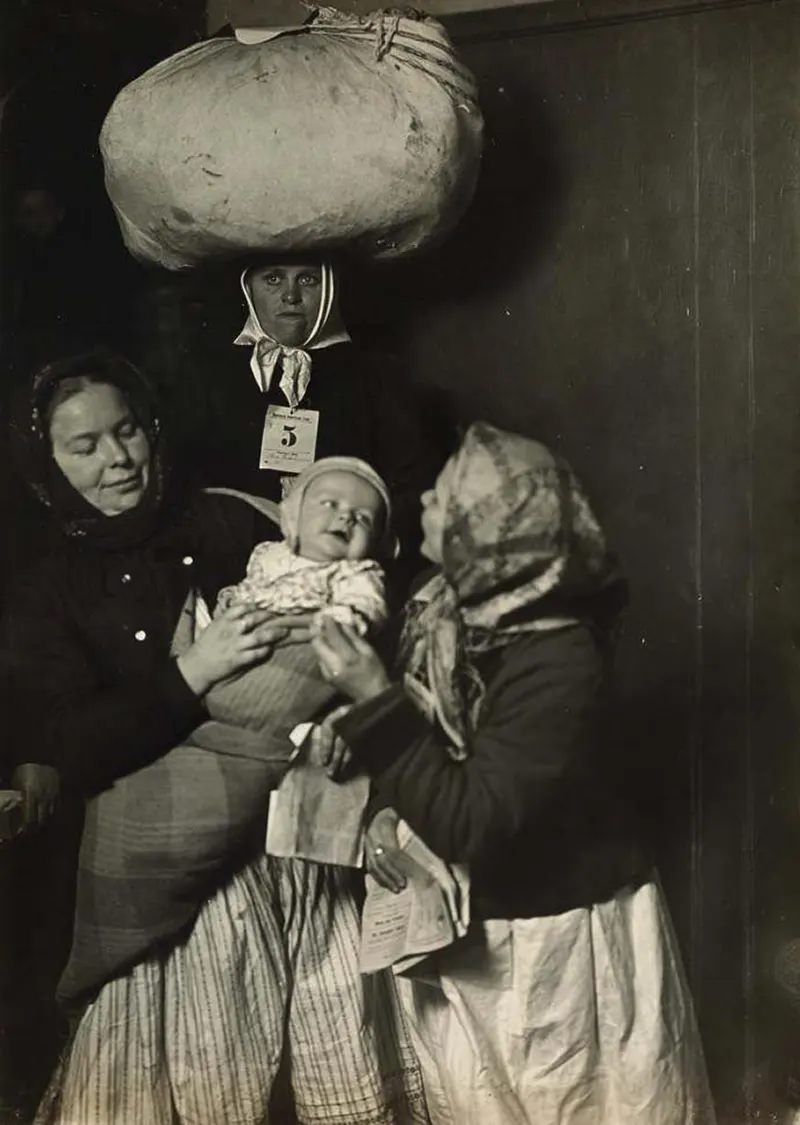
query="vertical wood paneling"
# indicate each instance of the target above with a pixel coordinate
(625, 287)
(724, 165)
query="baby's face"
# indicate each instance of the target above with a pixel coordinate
(341, 517)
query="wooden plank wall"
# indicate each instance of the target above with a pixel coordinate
(625, 288)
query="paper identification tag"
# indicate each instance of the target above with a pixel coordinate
(289, 440)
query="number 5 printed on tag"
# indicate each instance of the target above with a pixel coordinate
(289, 441)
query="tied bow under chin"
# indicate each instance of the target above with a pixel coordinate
(295, 369)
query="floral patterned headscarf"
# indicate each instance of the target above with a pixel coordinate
(521, 552)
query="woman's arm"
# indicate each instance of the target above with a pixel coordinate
(60, 714)
(63, 711)
(534, 730)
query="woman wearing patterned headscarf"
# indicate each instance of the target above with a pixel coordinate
(565, 1001)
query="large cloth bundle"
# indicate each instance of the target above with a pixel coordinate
(358, 132)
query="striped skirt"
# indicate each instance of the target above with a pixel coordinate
(196, 1036)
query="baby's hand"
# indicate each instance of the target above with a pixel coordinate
(224, 601)
(233, 595)
(342, 615)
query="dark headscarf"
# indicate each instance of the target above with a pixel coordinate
(32, 450)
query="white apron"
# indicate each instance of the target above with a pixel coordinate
(583, 1018)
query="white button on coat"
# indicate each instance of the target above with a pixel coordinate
(140, 635)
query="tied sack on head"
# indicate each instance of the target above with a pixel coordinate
(384, 167)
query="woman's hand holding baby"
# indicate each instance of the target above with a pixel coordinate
(327, 749)
(348, 661)
(241, 636)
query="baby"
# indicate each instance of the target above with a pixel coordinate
(335, 517)
(205, 802)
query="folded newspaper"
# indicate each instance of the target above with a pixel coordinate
(431, 912)
(312, 817)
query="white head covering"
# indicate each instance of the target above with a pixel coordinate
(296, 362)
(293, 501)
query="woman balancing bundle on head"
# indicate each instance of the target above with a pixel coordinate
(565, 1003)
(306, 391)
(186, 980)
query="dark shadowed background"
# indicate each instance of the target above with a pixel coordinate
(625, 288)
